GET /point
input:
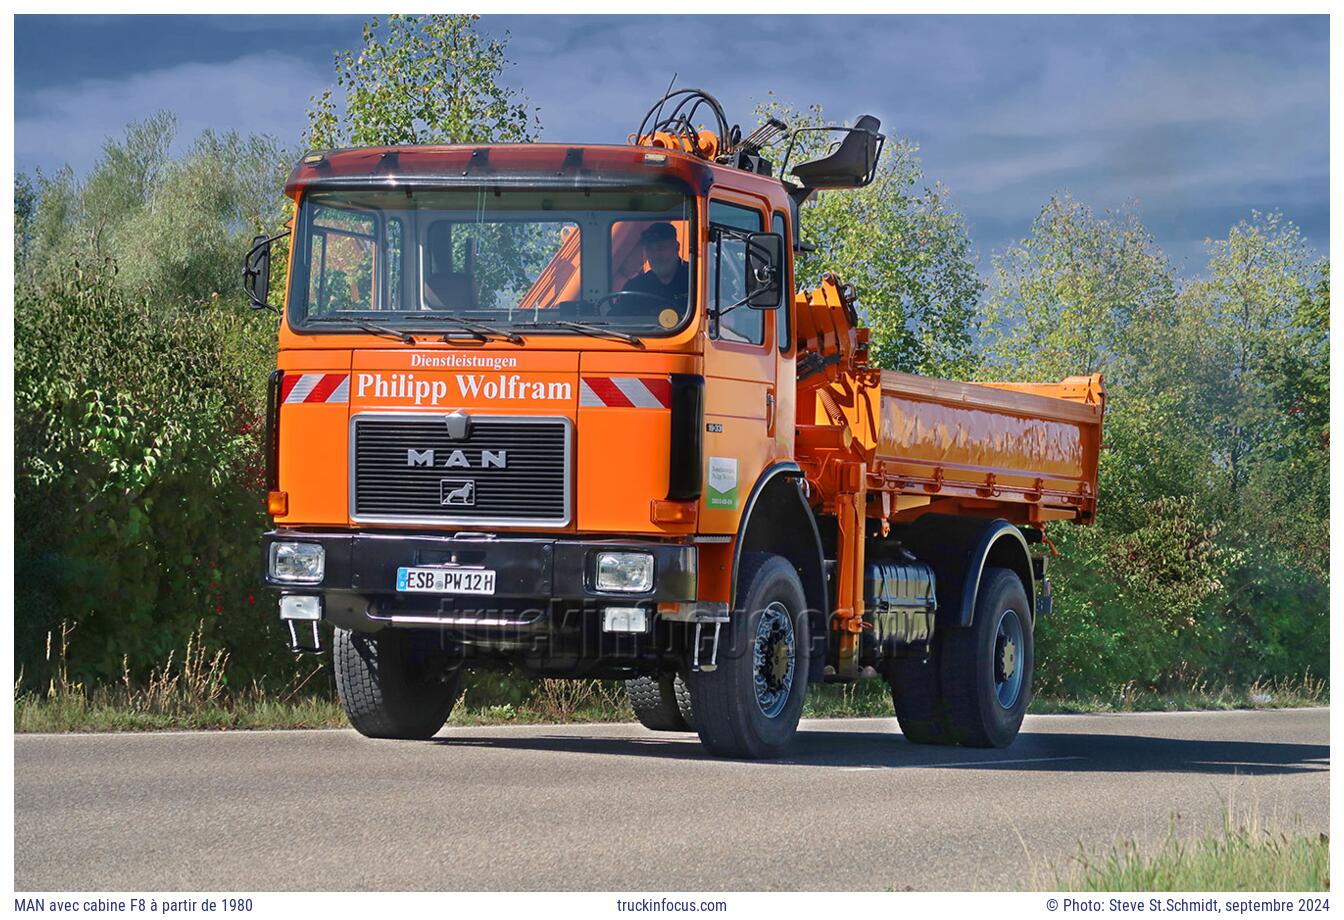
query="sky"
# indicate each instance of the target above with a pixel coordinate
(1194, 121)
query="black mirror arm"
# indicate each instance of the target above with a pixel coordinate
(249, 273)
(745, 301)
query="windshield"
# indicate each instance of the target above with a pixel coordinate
(501, 257)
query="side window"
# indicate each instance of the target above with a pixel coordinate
(732, 321)
(341, 266)
(784, 315)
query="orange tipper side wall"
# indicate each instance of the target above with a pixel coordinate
(1043, 439)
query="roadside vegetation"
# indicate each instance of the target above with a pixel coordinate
(193, 690)
(1244, 856)
(140, 388)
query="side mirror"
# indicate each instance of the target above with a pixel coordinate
(765, 270)
(257, 273)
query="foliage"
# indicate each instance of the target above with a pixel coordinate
(138, 493)
(175, 227)
(1209, 555)
(1069, 298)
(904, 248)
(139, 387)
(421, 80)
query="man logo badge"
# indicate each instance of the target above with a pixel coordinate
(489, 459)
(457, 493)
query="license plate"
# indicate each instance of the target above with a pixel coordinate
(446, 581)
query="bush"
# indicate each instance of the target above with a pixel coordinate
(1174, 603)
(138, 476)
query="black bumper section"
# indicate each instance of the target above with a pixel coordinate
(533, 574)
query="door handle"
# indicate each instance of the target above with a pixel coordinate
(770, 411)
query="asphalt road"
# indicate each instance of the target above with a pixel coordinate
(615, 807)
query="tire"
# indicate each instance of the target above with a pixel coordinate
(987, 668)
(767, 634)
(390, 686)
(684, 704)
(662, 703)
(916, 698)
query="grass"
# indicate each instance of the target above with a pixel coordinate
(191, 690)
(188, 691)
(1280, 693)
(870, 698)
(1244, 857)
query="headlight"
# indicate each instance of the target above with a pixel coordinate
(629, 572)
(304, 563)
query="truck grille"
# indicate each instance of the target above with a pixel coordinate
(408, 469)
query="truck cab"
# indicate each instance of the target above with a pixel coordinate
(537, 407)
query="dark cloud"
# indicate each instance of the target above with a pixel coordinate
(1193, 120)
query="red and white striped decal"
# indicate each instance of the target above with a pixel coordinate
(626, 392)
(315, 388)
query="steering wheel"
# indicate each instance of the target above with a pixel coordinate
(615, 295)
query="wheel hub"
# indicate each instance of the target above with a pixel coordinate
(779, 664)
(773, 659)
(1008, 646)
(1007, 658)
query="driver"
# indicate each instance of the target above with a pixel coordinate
(668, 279)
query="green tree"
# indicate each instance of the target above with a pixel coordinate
(1236, 328)
(125, 177)
(421, 80)
(25, 212)
(176, 228)
(188, 241)
(1209, 554)
(903, 246)
(54, 210)
(1249, 357)
(1087, 293)
(139, 387)
(1078, 295)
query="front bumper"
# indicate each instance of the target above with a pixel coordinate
(535, 577)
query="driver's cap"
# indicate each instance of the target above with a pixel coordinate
(657, 233)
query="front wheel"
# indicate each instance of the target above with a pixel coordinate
(393, 684)
(987, 667)
(750, 704)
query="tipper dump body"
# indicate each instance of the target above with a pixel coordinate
(1005, 442)
(1027, 452)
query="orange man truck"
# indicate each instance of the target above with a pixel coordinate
(557, 409)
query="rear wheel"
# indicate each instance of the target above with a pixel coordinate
(750, 704)
(662, 702)
(986, 668)
(394, 683)
(915, 696)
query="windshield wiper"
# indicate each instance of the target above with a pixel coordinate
(596, 330)
(404, 337)
(482, 331)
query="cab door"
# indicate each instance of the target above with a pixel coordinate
(741, 403)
